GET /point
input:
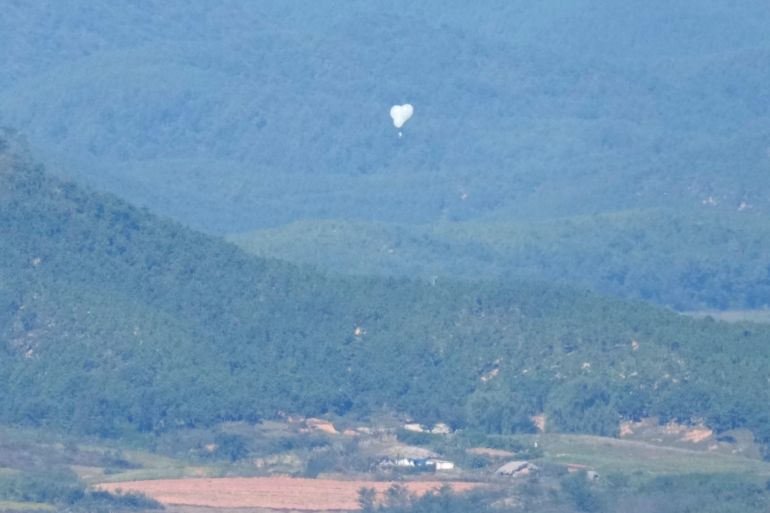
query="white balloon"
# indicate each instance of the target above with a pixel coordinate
(401, 114)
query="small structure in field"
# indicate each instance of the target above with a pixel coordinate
(399, 462)
(441, 429)
(517, 468)
(414, 427)
(441, 464)
(417, 464)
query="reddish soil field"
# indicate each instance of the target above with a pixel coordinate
(269, 492)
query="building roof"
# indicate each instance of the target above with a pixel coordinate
(512, 467)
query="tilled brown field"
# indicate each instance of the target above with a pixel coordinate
(284, 493)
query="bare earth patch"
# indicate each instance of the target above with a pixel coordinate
(697, 435)
(284, 493)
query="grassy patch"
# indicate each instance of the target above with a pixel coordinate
(613, 455)
(152, 466)
(760, 316)
(25, 506)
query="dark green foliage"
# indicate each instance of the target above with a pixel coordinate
(367, 499)
(723, 488)
(575, 494)
(114, 461)
(320, 461)
(398, 500)
(109, 502)
(116, 321)
(584, 406)
(720, 493)
(232, 116)
(61, 487)
(230, 447)
(56, 485)
(578, 489)
(416, 438)
(505, 412)
(687, 259)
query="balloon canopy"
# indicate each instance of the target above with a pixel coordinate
(401, 114)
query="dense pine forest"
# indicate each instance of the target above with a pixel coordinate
(114, 320)
(232, 117)
(220, 256)
(549, 139)
(686, 260)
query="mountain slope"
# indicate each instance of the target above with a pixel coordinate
(686, 260)
(237, 116)
(112, 320)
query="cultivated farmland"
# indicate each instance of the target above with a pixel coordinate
(283, 493)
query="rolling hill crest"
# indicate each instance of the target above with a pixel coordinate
(112, 319)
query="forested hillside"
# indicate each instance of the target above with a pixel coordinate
(686, 260)
(112, 319)
(231, 116)
(624, 148)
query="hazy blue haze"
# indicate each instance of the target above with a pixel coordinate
(237, 115)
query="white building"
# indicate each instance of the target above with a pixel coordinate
(441, 429)
(441, 464)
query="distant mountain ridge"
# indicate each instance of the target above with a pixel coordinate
(112, 320)
(687, 260)
(554, 119)
(231, 117)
